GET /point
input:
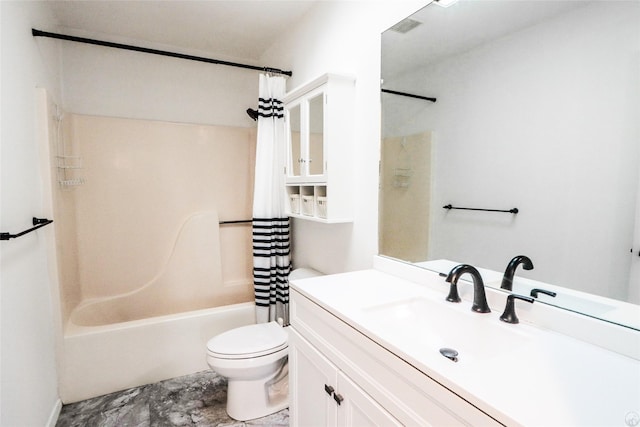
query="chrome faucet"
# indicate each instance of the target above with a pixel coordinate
(479, 297)
(507, 279)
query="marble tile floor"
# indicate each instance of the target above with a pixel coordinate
(193, 400)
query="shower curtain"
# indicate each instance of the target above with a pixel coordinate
(271, 261)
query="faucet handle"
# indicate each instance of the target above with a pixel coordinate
(509, 314)
(534, 292)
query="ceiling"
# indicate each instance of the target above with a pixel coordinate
(461, 27)
(241, 29)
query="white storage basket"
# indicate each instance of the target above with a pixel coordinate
(307, 205)
(294, 203)
(322, 206)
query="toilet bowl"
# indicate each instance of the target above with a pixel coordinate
(254, 359)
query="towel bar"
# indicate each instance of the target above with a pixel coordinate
(513, 211)
(37, 222)
(239, 221)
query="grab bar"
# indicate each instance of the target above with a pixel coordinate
(239, 221)
(513, 211)
(37, 222)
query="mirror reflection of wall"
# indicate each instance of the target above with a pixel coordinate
(538, 106)
(405, 182)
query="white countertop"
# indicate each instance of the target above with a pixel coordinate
(522, 374)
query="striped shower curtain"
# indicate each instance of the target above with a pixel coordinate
(271, 261)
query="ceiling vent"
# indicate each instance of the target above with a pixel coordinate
(405, 26)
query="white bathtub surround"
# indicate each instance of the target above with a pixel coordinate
(532, 373)
(271, 260)
(138, 288)
(134, 226)
(190, 279)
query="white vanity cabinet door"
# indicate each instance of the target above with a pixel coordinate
(358, 409)
(322, 396)
(309, 372)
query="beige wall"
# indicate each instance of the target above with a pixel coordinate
(143, 180)
(405, 195)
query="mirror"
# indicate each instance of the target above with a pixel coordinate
(537, 108)
(294, 140)
(316, 135)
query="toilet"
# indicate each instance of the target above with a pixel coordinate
(254, 359)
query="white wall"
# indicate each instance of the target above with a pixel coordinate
(344, 37)
(111, 82)
(516, 123)
(28, 373)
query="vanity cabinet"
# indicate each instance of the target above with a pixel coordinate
(319, 168)
(374, 386)
(323, 396)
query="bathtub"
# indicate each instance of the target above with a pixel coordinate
(143, 272)
(158, 330)
(97, 360)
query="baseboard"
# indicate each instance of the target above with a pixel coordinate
(55, 413)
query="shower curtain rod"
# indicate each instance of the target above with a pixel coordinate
(38, 33)
(410, 95)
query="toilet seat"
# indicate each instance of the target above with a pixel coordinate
(248, 341)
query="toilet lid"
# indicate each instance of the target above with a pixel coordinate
(248, 341)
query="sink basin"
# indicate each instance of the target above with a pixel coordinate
(426, 326)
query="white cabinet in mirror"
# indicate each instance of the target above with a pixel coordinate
(319, 167)
(534, 110)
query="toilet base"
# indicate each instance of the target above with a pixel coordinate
(247, 400)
